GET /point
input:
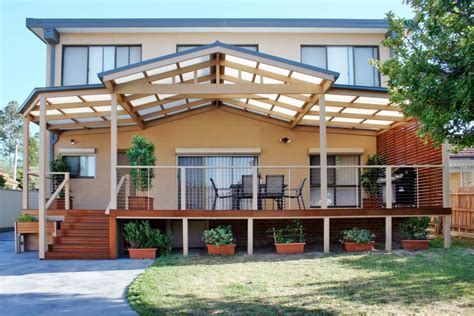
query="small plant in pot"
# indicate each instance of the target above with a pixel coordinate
(59, 164)
(144, 241)
(357, 240)
(413, 233)
(219, 240)
(289, 239)
(141, 153)
(369, 182)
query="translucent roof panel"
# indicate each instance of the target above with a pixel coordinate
(358, 111)
(77, 110)
(59, 100)
(370, 100)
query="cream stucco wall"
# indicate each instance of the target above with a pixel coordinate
(286, 45)
(212, 129)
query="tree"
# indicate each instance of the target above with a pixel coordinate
(33, 151)
(11, 135)
(431, 69)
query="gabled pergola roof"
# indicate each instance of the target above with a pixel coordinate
(215, 75)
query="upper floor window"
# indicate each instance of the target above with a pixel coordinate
(182, 48)
(81, 64)
(352, 62)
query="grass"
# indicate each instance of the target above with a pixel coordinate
(435, 281)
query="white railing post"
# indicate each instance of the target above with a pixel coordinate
(388, 187)
(185, 236)
(148, 189)
(327, 236)
(183, 188)
(289, 188)
(127, 190)
(357, 188)
(388, 233)
(66, 192)
(250, 236)
(255, 188)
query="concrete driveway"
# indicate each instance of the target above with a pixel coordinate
(29, 286)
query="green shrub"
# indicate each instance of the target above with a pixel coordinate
(370, 176)
(142, 153)
(414, 228)
(3, 181)
(360, 236)
(26, 218)
(289, 234)
(141, 235)
(221, 235)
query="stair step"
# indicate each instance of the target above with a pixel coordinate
(79, 248)
(83, 219)
(97, 226)
(73, 239)
(67, 255)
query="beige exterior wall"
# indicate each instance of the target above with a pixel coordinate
(286, 45)
(212, 129)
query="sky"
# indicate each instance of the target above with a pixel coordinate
(23, 55)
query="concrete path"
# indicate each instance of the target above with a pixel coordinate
(29, 286)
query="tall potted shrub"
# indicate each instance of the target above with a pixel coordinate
(59, 164)
(357, 240)
(413, 233)
(369, 182)
(141, 153)
(219, 240)
(289, 239)
(144, 241)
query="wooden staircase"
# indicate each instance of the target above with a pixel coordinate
(83, 235)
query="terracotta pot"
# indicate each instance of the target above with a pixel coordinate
(142, 253)
(221, 250)
(371, 203)
(295, 247)
(355, 247)
(140, 203)
(414, 244)
(60, 204)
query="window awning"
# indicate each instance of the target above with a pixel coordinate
(215, 75)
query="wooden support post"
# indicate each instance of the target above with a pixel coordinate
(113, 251)
(42, 180)
(185, 237)
(326, 235)
(447, 231)
(26, 141)
(250, 236)
(323, 152)
(388, 233)
(113, 152)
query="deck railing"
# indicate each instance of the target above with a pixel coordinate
(277, 187)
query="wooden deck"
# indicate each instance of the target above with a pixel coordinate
(109, 223)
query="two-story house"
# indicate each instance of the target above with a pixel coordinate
(255, 122)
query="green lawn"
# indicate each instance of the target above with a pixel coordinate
(437, 281)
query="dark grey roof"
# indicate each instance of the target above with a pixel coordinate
(363, 88)
(227, 46)
(89, 23)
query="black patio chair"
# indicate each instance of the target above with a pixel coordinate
(217, 195)
(275, 189)
(297, 194)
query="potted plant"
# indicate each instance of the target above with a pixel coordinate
(143, 240)
(219, 240)
(357, 240)
(289, 239)
(369, 182)
(141, 153)
(59, 164)
(413, 233)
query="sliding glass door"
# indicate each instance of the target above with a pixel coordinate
(223, 170)
(342, 182)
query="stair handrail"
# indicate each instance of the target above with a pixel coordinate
(123, 179)
(64, 185)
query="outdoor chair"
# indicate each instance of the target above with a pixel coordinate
(217, 195)
(275, 189)
(297, 194)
